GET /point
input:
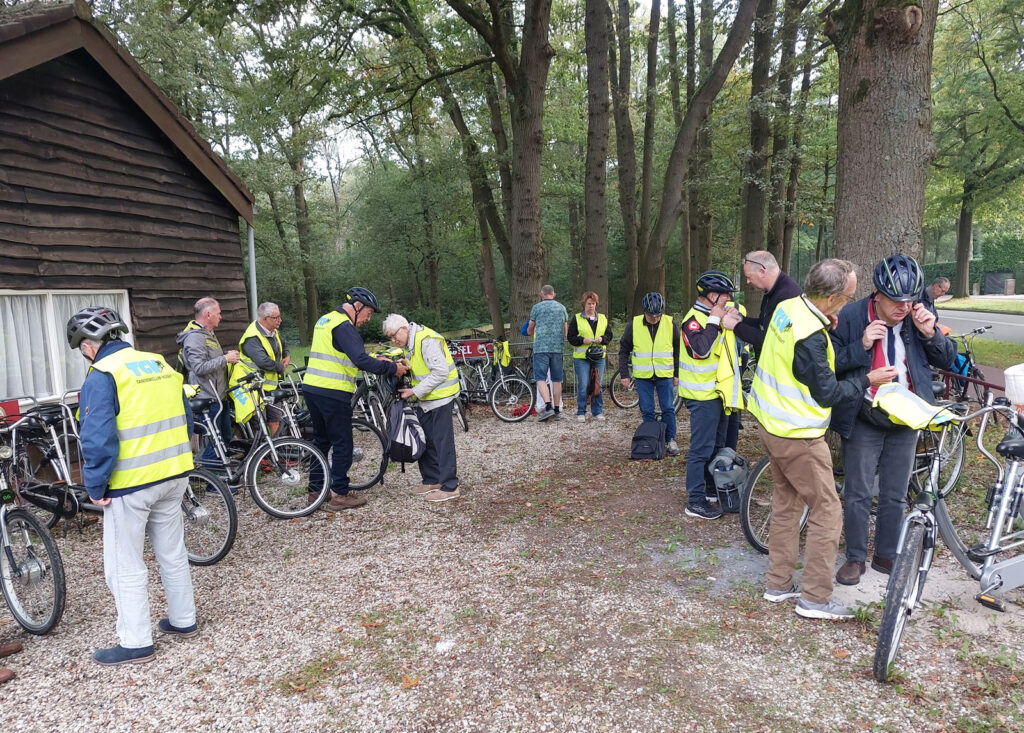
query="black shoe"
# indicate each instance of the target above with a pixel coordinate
(702, 510)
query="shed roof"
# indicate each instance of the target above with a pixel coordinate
(34, 33)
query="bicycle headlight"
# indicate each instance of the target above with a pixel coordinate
(6, 452)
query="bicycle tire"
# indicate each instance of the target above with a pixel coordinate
(959, 540)
(626, 398)
(511, 399)
(367, 405)
(459, 411)
(756, 506)
(906, 583)
(281, 488)
(369, 456)
(210, 517)
(37, 603)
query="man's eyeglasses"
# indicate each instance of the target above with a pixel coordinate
(754, 262)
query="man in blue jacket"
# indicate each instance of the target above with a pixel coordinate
(891, 327)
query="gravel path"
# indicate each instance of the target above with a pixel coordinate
(566, 592)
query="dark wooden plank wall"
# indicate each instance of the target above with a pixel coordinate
(93, 195)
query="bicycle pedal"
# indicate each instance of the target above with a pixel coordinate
(990, 601)
(978, 553)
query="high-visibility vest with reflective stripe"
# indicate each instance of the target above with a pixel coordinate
(697, 377)
(270, 377)
(419, 370)
(585, 331)
(152, 430)
(327, 367)
(780, 402)
(652, 357)
(729, 380)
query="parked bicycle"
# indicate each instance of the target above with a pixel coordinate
(482, 378)
(965, 382)
(991, 554)
(31, 569)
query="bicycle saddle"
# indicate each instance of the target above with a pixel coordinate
(938, 389)
(201, 404)
(49, 415)
(1011, 447)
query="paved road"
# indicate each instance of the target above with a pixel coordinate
(1004, 327)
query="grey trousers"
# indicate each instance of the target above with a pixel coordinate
(437, 464)
(890, 454)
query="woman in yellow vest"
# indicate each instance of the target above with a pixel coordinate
(792, 396)
(135, 428)
(435, 384)
(589, 336)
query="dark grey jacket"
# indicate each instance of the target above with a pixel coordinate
(204, 359)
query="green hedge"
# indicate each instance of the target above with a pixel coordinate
(1000, 253)
(948, 269)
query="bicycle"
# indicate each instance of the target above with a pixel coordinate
(31, 568)
(483, 379)
(1001, 535)
(965, 382)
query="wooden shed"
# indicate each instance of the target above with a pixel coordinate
(108, 196)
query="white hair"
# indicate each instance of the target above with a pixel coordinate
(393, 323)
(266, 309)
(96, 344)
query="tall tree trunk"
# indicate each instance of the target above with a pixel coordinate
(594, 256)
(884, 127)
(692, 189)
(647, 170)
(295, 284)
(677, 118)
(754, 178)
(700, 166)
(964, 244)
(790, 219)
(305, 235)
(625, 146)
(488, 279)
(576, 237)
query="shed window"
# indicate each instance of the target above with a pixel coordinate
(35, 359)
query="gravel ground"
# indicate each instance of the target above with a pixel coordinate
(565, 592)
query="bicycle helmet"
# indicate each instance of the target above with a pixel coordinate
(364, 296)
(95, 322)
(594, 353)
(653, 304)
(899, 278)
(714, 281)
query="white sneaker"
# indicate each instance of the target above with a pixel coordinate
(831, 611)
(778, 596)
(600, 418)
(581, 418)
(672, 448)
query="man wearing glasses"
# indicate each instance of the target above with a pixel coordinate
(262, 348)
(761, 272)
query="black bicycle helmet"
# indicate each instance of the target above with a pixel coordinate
(714, 281)
(95, 322)
(899, 278)
(364, 296)
(653, 304)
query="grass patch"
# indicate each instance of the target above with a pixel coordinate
(999, 354)
(984, 305)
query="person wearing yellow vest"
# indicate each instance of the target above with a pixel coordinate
(589, 336)
(792, 396)
(650, 346)
(705, 348)
(335, 358)
(435, 384)
(136, 426)
(262, 347)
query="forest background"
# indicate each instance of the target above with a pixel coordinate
(453, 156)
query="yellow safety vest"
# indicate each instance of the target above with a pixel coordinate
(152, 430)
(245, 403)
(729, 383)
(585, 331)
(697, 377)
(270, 377)
(652, 358)
(780, 402)
(327, 367)
(906, 408)
(419, 370)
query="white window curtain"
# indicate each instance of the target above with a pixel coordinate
(25, 346)
(73, 364)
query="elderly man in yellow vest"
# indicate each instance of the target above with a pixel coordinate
(707, 350)
(262, 348)
(435, 384)
(792, 396)
(135, 427)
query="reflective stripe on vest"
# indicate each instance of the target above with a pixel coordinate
(270, 377)
(152, 430)
(327, 367)
(652, 357)
(585, 331)
(697, 377)
(419, 369)
(780, 402)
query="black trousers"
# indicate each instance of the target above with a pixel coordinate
(437, 464)
(332, 434)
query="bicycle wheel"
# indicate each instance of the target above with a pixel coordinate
(211, 520)
(624, 397)
(459, 413)
(366, 405)
(369, 456)
(906, 583)
(756, 506)
(281, 486)
(511, 399)
(31, 573)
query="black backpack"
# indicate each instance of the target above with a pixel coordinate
(406, 437)
(648, 442)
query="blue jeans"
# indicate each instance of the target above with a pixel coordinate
(581, 367)
(645, 391)
(708, 425)
(332, 429)
(221, 419)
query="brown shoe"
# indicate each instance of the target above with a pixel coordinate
(425, 489)
(312, 498)
(881, 564)
(339, 502)
(10, 647)
(850, 573)
(438, 496)
(5, 675)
